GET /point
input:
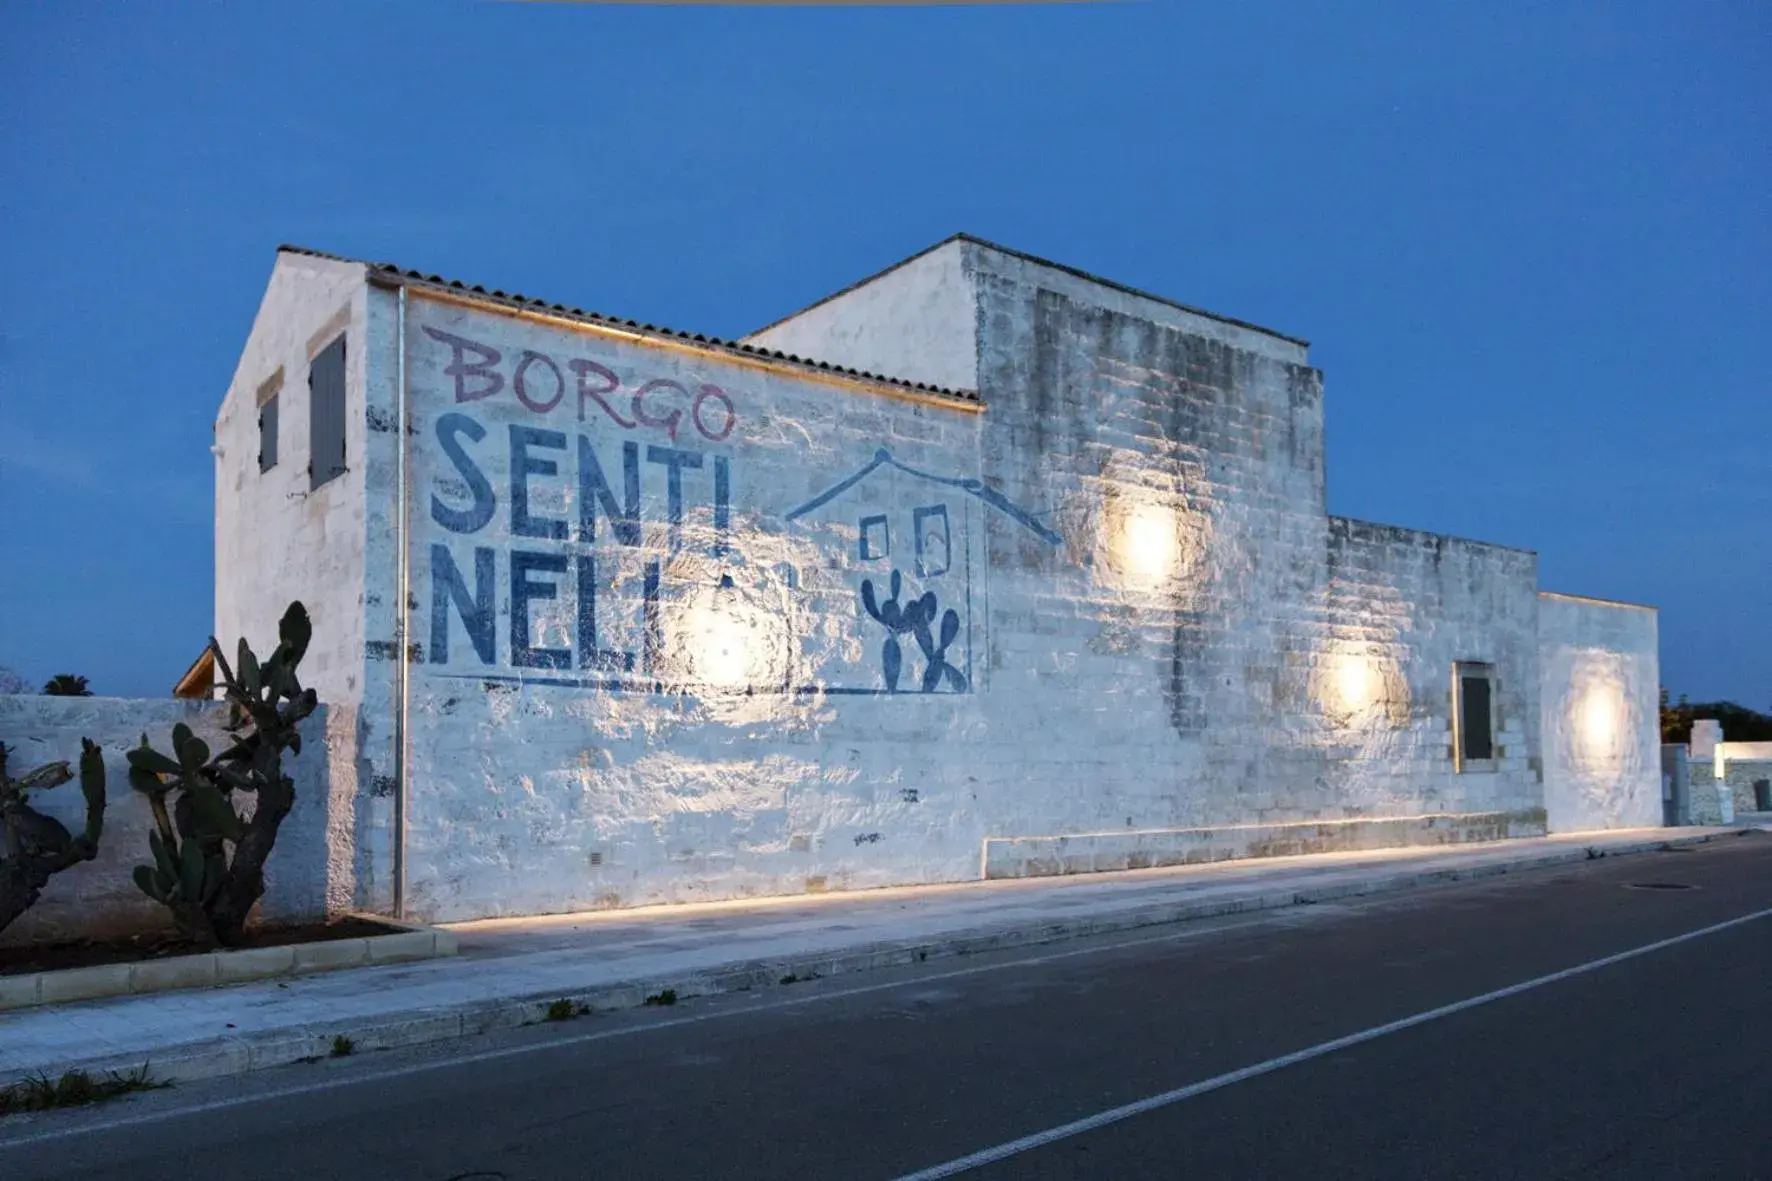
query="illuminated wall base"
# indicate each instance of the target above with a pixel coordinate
(1029, 857)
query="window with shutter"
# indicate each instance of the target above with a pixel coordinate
(266, 400)
(1473, 714)
(326, 414)
(267, 435)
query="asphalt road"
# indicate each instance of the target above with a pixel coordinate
(1655, 1065)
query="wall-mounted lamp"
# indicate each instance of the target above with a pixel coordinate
(1147, 542)
(1361, 686)
(1140, 540)
(1597, 717)
(1354, 686)
(722, 638)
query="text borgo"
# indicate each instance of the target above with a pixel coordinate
(542, 383)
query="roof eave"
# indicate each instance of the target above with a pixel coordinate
(390, 275)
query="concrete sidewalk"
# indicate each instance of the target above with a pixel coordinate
(508, 970)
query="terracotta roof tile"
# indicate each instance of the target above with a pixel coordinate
(527, 302)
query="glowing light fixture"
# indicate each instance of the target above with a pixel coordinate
(1354, 682)
(1597, 715)
(722, 639)
(1599, 719)
(1361, 686)
(1147, 546)
(722, 650)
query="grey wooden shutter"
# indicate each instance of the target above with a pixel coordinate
(1477, 725)
(267, 435)
(326, 414)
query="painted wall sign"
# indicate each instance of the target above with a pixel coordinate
(539, 383)
(583, 524)
(557, 495)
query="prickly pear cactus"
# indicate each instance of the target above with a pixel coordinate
(36, 847)
(208, 866)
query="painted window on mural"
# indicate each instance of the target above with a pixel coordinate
(326, 414)
(1473, 687)
(876, 538)
(934, 552)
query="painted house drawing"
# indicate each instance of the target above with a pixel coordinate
(902, 547)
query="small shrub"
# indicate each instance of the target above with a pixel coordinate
(564, 1010)
(76, 1088)
(342, 1046)
(667, 997)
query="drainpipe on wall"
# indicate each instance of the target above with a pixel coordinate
(401, 645)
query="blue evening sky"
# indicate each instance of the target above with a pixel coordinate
(1530, 243)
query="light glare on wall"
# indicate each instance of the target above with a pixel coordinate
(1599, 719)
(1354, 676)
(1361, 687)
(1147, 542)
(723, 647)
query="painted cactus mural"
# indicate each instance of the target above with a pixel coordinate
(908, 539)
(914, 618)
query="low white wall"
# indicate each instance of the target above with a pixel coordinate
(1746, 764)
(1599, 691)
(308, 874)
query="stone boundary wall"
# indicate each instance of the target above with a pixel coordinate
(1744, 765)
(99, 899)
(1706, 806)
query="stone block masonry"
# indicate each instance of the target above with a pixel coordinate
(1747, 769)
(686, 622)
(1740, 771)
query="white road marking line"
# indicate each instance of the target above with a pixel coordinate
(160, 1115)
(1115, 1115)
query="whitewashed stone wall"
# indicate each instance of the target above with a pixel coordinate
(309, 874)
(1602, 733)
(916, 322)
(689, 625)
(277, 539)
(1148, 606)
(693, 703)
(1226, 667)
(1403, 608)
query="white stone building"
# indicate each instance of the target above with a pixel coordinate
(691, 619)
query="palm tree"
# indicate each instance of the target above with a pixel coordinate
(67, 685)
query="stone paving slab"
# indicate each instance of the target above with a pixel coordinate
(507, 971)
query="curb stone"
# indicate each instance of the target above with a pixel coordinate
(405, 942)
(280, 1047)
